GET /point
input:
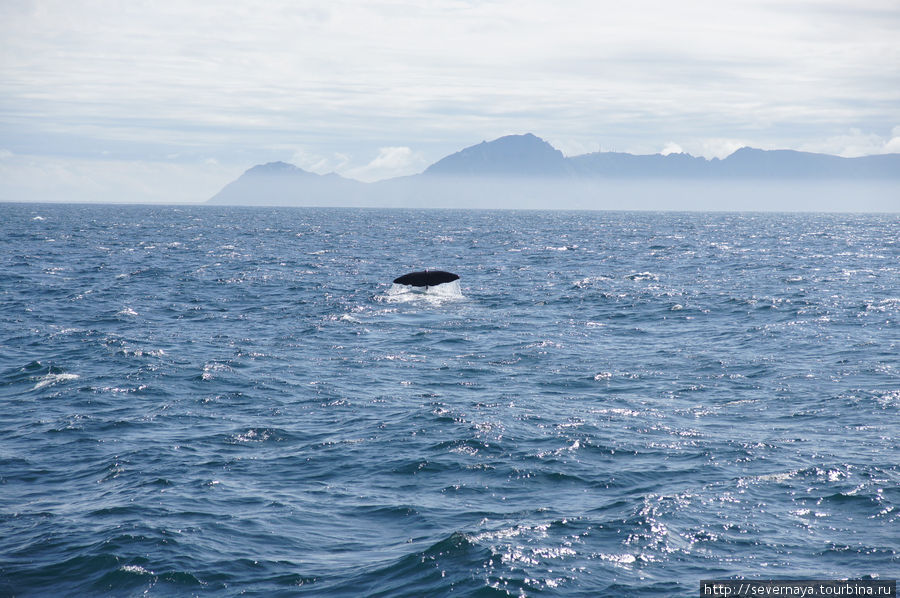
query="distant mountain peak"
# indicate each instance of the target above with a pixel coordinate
(280, 182)
(274, 168)
(522, 155)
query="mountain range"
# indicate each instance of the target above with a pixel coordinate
(528, 166)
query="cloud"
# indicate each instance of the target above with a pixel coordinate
(672, 148)
(717, 147)
(314, 162)
(856, 143)
(370, 66)
(390, 162)
(893, 146)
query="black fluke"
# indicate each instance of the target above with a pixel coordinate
(426, 278)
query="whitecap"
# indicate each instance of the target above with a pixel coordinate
(210, 369)
(121, 390)
(253, 436)
(141, 352)
(889, 399)
(51, 379)
(619, 559)
(618, 411)
(779, 477)
(586, 282)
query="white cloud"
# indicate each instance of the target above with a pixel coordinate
(314, 162)
(390, 162)
(718, 148)
(856, 143)
(672, 148)
(893, 146)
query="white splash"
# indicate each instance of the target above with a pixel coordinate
(438, 294)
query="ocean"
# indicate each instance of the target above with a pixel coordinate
(238, 401)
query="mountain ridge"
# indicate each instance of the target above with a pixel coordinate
(523, 160)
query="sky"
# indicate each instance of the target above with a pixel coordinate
(163, 101)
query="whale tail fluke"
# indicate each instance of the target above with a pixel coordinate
(426, 278)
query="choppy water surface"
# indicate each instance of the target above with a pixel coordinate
(237, 401)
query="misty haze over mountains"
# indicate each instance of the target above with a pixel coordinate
(524, 171)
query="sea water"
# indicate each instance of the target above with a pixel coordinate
(237, 401)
